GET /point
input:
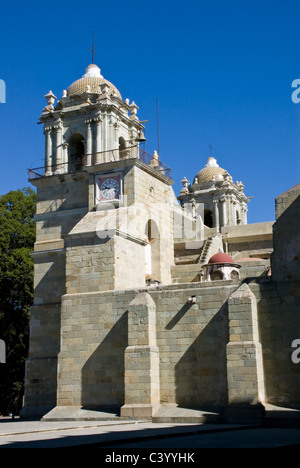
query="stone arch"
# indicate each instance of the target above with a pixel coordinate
(76, 152)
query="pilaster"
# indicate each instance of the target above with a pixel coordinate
(142, 395)
(244, 352)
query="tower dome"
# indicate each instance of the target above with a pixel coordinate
(94, 80)
(211, 171)
(220, 257)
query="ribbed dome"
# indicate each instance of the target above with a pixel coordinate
(221, 257)
(212, 171)
(93, 79)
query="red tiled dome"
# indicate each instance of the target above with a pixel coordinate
(221, 257)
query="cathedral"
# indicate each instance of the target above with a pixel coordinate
(147, 303)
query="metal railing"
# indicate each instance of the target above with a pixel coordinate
(79, 164)
(155, 163)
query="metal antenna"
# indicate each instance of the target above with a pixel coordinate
(210, 147)
(158, 143)
(93, 48)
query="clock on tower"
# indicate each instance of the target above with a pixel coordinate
(108, 188)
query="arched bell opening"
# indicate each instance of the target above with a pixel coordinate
(76, 152)
(208, 218)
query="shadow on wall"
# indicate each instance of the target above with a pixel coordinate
(103, 373)
(201, 373)
(279, 324)
(51, 279)
(285, 260)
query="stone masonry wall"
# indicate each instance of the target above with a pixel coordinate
(89, 264)
(192, 342)
(191, 338)
(129, 259)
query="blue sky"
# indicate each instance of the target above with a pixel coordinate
(222, 73)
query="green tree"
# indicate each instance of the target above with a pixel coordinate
(17, 236)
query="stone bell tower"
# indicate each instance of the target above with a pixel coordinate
(104, 223)
(90, 119)
(223, 202)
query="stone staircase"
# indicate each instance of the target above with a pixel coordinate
(211, 246)
(187, 268)
(205, 254)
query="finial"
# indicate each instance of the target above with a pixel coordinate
(133, 109)
(50, 99)
(155, 160)
(185, 184)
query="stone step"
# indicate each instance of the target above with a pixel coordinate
(76, 413)
(174, 414)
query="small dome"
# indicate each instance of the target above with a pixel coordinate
(211, 171)
(94, 80)
(221, 257)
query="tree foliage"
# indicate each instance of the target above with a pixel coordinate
(17, 236)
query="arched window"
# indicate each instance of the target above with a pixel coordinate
(76, 152)
(216, 275)
(234, 275)
(208, 218)
(238, 218)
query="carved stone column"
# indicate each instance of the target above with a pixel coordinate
(65, 155)
(217, 218)
(233, 204)
(89, 142)
(48, 151)
(224, 213)
(98, 127)
(244, 210)
(59, 167)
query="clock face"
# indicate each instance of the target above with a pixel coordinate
(110, 188)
